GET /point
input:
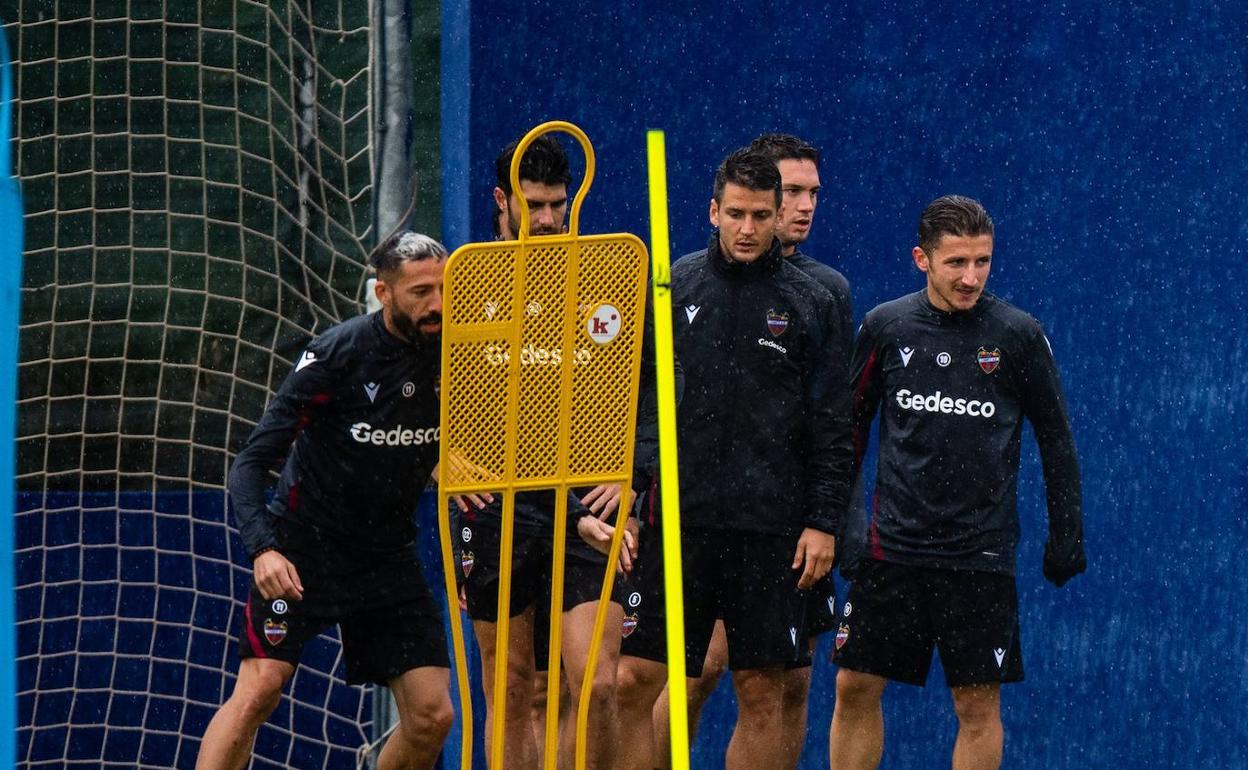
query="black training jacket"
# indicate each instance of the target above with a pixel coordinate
(763, 425)
(836, 284)
(952, 390)
(359, 416)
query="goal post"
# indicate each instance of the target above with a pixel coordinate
(198, 183)
(10, 297)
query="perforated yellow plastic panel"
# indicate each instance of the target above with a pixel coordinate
(541, 344)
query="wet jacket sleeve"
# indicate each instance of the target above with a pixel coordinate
(866, 385)
(304, 391)
(646, 446)
(1045, 407)
(865, 388)
(830, 462)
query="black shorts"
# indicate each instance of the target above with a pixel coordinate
(583, 573)
(744, 578)
(378, 643)
(821, 607)
(895, 614)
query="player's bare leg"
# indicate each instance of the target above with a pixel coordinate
(639, 683)
(699, 692)
(980, 735)
(856, 740)
(539, 711)
(423, 698)
(795, 705)
(602, 734)
(794, 696)
(758, 740)
(257, 691)
(520, 749)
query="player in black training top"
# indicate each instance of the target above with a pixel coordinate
(953, 371)
(765, 462)
(357, 423)
(798, 163)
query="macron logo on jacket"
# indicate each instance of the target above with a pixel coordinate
(307, 359)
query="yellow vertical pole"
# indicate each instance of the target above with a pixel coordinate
(673, 583)
(553, 659)
(457, 626)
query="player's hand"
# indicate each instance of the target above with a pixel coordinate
(632, 538)
(476, 500)
(814, 556)
(1058, 570)
(462, 471)
(276, 577)
(604, 499)
(598, 534)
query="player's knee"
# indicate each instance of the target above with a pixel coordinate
(796, 690)
(258, 696)
(760, 697)
(858, 690)
(638, 683)
(977, 708)
(428, 721)
(603, 691)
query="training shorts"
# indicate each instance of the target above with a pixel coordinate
(379, 642)
(895, 614)
(583, 573)
(744, 578)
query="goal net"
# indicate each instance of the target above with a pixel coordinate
(197, 183)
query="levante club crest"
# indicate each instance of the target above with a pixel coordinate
(989, 360)
(274, 633)
(777, 322)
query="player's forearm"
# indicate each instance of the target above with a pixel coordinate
(1064, 491)
(247, 492)
(830, 465)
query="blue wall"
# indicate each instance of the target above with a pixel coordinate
(1109, 142)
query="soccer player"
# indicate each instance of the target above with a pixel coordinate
(357, 421)
(765, 461)
(544, 177)
(798, 163)
(953, 371)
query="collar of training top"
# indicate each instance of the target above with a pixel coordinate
(955, 316)
(766, 264)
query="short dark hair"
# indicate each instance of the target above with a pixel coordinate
(544, 162)
(404, 246)
(780, 147)
(952, 215)
(750, 169)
